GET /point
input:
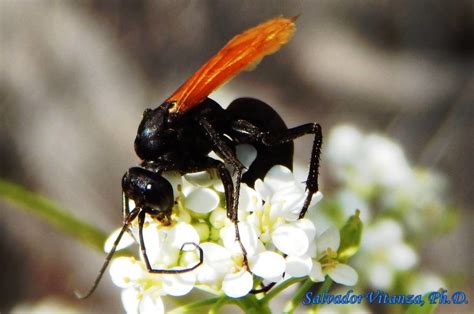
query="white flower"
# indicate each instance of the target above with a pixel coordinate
(275, 241)
(320, 259)
(426, 282)
(142, 290)
(383, 253)
(326, 263)
(283, 193)
(367, 160)
(221, 270)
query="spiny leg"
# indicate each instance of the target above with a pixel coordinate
(228, 155)
(141, 221)
(234, 215)
(288, 135)
(125, 227)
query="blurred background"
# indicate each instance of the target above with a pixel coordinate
(75, 77)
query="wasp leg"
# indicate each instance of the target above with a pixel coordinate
(226, 180)
(141, 221)
(125, 207)
(285, 136)
(126, 213)
(226, 153)
(263, 289)
(130, 217)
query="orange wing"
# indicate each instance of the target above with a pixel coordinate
(240, 53)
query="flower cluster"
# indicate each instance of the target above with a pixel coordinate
(400, 204)
(375, 175)
(278, 244)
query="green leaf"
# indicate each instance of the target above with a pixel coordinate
(52, 213)
(351, 235)
(426, 308)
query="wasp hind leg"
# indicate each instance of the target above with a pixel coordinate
(288, 135)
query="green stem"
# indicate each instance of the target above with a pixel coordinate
(195, 305)
(250, 305)
(276, 290)
(215, 308)
(52, 213)
(293, 304)
(325, 286)
(262, 306)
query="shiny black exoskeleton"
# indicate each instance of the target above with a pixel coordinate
(168, 140)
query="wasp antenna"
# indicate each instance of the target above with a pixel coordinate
(126, 224)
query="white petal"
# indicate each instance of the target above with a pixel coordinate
(291, 204)
(126, 241)
(217, 257)
(290, 240)
(130, 300)
(279, 177)
(298, 266)
(179, 284)
(267, 264)
(402, 256)
(316, 274)
(236, 285)
(201, 178)
(380, 275)
(151, 305)
(248, 237)
(329, 239)
(202, 200)
(249, 199)
(344, 144)
(425, 283)
(383, 233)
(387, 161)
(268, 281)
(318, 196)
(182, 233)
(344, 274)
(246, 154)
(124, 271)
(263, 189)
(186, 187)
(218, 218)
(208, 275)
(307, 226)
(154, 238)
(218, 186)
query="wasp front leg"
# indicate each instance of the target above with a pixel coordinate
(270, 139)
(141, 221)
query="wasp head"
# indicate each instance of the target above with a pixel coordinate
(148, 190)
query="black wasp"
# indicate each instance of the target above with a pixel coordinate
(179, 134)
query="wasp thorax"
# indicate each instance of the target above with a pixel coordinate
(151, 140)
(148, 189)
